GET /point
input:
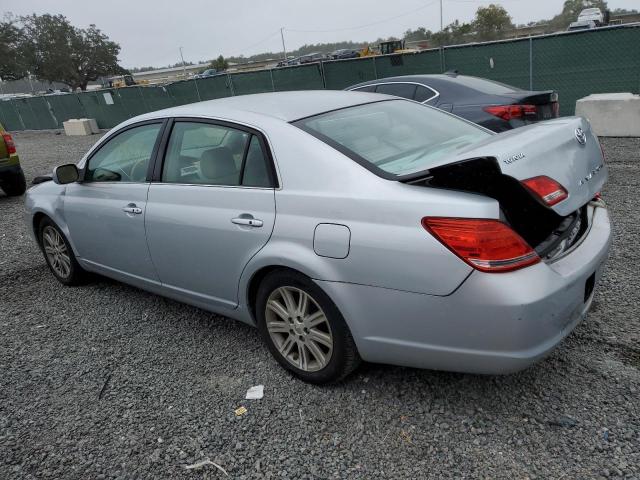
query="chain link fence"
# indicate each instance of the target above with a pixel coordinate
(574, 64)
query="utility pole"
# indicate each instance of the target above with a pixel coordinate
(441, 26)
(184, 68)
(284, 49)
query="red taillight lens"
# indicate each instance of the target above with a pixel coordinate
(547, 189)
(485, 244)
(8, 141)
(507, 112)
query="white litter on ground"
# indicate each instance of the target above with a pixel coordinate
(255, 393)
(199, 465)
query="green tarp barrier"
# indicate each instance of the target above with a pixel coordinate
(343, 73)
(304, 77)
(9, 116)
(214, 87)
(251, 82)
(65, 107)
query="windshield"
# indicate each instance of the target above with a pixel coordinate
(397, 136)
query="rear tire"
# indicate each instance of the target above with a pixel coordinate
(304, 329)
(59, 255)
(16, 185)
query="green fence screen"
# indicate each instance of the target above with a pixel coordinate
(65, 107)
(304, 77)
(574, 64)
(251, 82)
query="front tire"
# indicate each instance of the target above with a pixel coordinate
(303, 328)
(59, 255)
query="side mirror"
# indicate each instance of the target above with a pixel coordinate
(66, 174)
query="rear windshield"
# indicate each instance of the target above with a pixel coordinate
(485, 86)
(398, 137)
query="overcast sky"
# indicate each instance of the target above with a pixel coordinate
(151, 31)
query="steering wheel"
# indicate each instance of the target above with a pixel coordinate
(139, 171)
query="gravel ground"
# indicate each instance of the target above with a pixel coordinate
(107, 381)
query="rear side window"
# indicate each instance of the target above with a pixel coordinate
(202, 153)
(423, 94)
(368, 88)
(255, 173)
(208, 154)
(404, 90)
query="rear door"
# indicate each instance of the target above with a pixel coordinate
(210, 208)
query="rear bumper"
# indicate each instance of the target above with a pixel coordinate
(9, 169)
(493, 323)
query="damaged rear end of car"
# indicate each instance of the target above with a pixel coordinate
(546, 178)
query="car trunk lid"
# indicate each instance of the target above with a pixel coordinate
(553, 149)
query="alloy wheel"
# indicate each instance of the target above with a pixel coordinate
(56, 251)
(299, 328)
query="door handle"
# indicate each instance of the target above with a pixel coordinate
(247, 221)
(131, 208)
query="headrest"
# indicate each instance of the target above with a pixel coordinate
(217, 162)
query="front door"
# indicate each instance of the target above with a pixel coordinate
(106, 211)
(211, 211)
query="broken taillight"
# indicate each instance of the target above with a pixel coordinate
(546, 189)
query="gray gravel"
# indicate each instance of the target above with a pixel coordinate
(107, 381)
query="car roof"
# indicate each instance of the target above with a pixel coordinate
(286, 106)
(412, 78)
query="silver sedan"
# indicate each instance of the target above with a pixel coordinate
(346, 226)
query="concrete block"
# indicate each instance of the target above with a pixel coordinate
(93, 124)
(611, 114)
(75, 126)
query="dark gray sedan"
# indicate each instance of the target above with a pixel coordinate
(493, 105)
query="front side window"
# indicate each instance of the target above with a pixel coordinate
(125, 157)
(395, 136)
(208, 154)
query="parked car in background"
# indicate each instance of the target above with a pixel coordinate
(210, 72)
(345, 53)
(591, 15)
(288, 62)
(12, 179)
(402, 234)
(493, 105)
(311, 57)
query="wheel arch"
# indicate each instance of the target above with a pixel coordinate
(281, 255)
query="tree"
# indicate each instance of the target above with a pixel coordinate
(12, 64)
(492, 22)
(56, 51)
(220, 64)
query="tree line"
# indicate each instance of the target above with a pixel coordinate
(50, 48)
